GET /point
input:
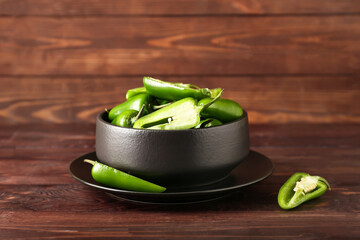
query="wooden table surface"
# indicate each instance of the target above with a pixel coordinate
(39, 199)
(293, 65)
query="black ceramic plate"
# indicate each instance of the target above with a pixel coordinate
(254, 168)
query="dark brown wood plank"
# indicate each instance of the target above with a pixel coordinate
(40, 154)
(42, 138)
(175, 45)
(176, 7)
(51, 136)
(275, 99)
(132, 224)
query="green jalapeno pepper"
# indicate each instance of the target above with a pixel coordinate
(127, 118)
(134, 103)
(182, 114)
(210, 122)
(225, 110)
(135, 91)
(112, 177)
(301, 187)
(177, 91)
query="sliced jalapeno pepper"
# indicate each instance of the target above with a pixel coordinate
(135, 91)
(176, 91)
(301, 187)
(182, 114)
(112, 177)
(225, 110)
(134, 103)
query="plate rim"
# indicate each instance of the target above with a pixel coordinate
(164, 194)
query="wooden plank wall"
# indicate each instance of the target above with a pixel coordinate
(284, 61)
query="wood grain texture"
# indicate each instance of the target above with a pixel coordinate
(293, 65)
(159, 225)
(175, 7)
(276, 99)
(120, 219)
(175, 45)
(40, 200)
(45, 150)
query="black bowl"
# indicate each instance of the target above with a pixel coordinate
(174, 158)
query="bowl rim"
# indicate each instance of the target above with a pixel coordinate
(244, 117)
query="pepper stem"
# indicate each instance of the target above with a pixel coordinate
(204, 122)
(161, 106)
(193, 86)
(139, 114)
(324, 181)
(214, 92)
(89, 161)
(213, 100)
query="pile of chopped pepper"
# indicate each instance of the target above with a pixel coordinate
(173, 106)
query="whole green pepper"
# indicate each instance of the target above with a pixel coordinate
(182, 114)
(134, 103)
(112, 177)
(210, 122)
(225, 110)
(135, 91)
(177, 91)
(301, 187)
(127, 118)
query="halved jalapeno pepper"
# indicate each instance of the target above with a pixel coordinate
(182, 114)
(301, 187)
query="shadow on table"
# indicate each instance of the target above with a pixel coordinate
(262, 196)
